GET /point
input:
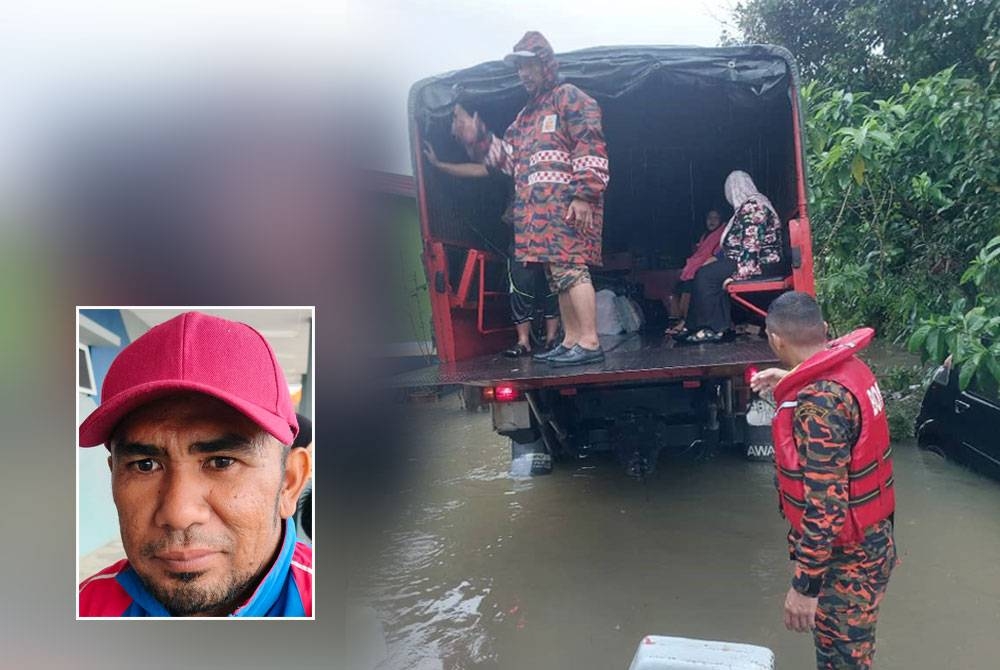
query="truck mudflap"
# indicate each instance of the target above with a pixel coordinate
(530, 454)
(511, 416)
(529, 458)
(759, 443)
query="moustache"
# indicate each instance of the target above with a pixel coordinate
(182, 540)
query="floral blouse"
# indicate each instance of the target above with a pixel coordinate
(754, 239)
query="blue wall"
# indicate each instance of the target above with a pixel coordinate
(102, 356)
(98, 516)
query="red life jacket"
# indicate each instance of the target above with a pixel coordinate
(871, 494)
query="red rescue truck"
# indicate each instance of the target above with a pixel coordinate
(677, 121)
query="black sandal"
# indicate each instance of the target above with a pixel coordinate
(678, 329)
(516, 351)
(704, 335)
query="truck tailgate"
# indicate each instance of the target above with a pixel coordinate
(628, 359)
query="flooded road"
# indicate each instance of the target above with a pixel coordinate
(476, 569)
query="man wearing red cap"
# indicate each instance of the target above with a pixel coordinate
(199, 425)
(556, 154)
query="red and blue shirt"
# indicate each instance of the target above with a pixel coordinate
(285, 591)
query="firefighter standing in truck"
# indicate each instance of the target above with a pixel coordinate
(835, 480)
(556, 154)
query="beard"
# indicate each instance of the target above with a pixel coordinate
(193, 593)
(184, 596)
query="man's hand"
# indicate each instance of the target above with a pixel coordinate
(465, 128)
(709, 261)
(766, 380)
(727, 281)
(431, 156)
(580, 214)
(800, 611)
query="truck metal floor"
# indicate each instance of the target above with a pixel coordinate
(632, 358)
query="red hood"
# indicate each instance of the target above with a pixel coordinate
(536, 43)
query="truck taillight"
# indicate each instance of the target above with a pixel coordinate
(749, 373)
(505, 393)
(501, 393)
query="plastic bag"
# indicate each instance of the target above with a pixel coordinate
(608, 319)
(629, 314)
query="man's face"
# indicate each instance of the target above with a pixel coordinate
(531, 73)
(200, 492)
(712, 220)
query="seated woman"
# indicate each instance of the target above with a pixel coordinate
(751, 247)
(703, 250)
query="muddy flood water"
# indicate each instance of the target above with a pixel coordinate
(478, 569)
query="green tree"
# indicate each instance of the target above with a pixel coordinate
(869, 45)
(903, 137)
(904, 196)
(971, 338)
(905, 206)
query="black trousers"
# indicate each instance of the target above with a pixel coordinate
(710, 307)
(528, 289)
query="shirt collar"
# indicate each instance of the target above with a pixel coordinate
(258, 604)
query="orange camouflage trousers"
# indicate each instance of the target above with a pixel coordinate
(849, 599)
(564, 276)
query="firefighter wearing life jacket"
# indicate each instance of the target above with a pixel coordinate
(835, 480)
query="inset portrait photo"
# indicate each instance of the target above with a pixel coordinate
(195, 462)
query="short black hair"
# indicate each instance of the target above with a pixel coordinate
(305, 435)
(796, 317)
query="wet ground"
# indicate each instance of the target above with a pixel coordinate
(476, 569)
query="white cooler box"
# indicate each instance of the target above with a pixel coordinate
(678, 653)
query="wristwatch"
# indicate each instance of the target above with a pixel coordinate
(807, 586)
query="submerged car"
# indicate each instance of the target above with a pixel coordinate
(959, 424)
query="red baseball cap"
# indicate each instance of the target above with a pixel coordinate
(196, 352)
